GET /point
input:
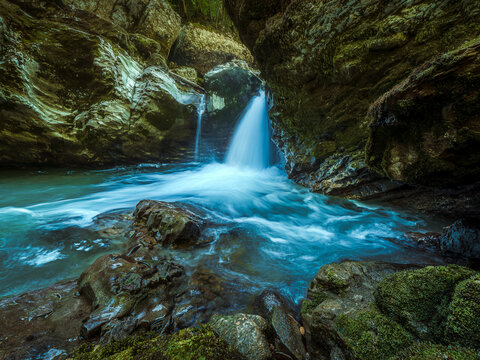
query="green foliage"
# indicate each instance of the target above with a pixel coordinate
(309, 305)
(463, 322)
(188, 344)
(372, 335)
(427, 351)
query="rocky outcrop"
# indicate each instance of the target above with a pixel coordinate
(154, 19)
(166, 224)
(373, 310)
(328, 62)
(424, 130)
(203, 49)
(84, 94)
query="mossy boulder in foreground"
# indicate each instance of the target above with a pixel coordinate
(187, 344)
(371, 311)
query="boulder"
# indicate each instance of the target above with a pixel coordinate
(460, 241)
(244, 332)
(203, 49)
(83, 95)
(167, 224)
(279, 313)
(327, 62)
(371, 310)
(337, 289)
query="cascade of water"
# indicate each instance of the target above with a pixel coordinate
(250, 143)
(200, 111)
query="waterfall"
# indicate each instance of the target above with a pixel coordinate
(250, 144)
(200, 111)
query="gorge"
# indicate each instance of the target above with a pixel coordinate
(161, 198)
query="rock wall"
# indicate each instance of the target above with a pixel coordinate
(87, 83)
(329, 62)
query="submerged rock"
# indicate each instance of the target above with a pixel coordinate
(168, 224)
(244, 332)
(203, 49)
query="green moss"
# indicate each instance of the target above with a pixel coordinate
(372, 335)
(419, 299)
(463, 322)
(427, 351)
(309, 305)
(188, 344)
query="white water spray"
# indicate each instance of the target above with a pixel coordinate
(200, 111)
(250, 146)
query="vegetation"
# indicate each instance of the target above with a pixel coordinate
(188, 344)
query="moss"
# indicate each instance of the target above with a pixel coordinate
(372, 335)
(419, 299)
(463, 322)
(309, 305)
(427, 351)
(188, 344)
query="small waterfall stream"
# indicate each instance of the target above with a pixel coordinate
(200, 111)
(250, 144)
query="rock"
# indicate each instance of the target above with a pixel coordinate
(371, 310)
(462, 326)
(84, 95)
(154, 19)
(126, 293)
(278, 311)
(187, 344)
(229, 88)
(168, 224)
(460, 242)
(422, 129)
(326, 64)
(187, 72)
(202, 49)
(415, 298)
(427, 351)
(337, 289)
(246, 333)
(42, 323)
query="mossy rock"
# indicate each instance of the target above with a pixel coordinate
(372, 335)
(188, 344)
(463, 322)
(419, 299)
(427, 351)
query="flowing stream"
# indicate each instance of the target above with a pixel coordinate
(266, 231)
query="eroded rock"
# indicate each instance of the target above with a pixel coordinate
(202, 49)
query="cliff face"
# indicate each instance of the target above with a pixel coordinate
(329, 62)
(88, 82)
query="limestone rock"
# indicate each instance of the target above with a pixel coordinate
(244, 332)
(203, 49)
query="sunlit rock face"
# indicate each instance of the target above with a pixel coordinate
(79, 90)
(327, 62)
(203, 49)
